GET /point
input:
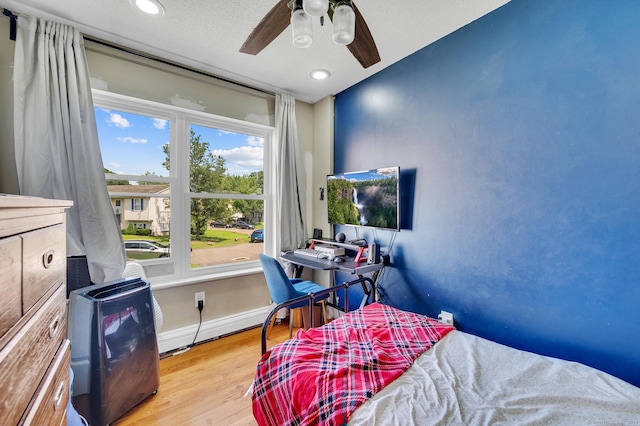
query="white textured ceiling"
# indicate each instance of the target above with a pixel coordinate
(207, 34)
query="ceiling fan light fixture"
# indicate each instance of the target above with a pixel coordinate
(315, 7)
(301, 28)
(344, 24)
(149, 7)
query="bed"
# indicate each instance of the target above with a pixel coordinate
(383, 366)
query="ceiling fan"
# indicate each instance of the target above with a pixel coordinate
(279, 17)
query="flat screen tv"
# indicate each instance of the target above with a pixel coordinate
(368, 198)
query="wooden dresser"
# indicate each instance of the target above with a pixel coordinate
(34, 351)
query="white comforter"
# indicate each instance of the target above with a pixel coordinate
(467, 380)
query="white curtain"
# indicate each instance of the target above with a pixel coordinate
(288, 175)
(56, 140)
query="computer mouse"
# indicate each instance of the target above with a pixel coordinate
(338, 259)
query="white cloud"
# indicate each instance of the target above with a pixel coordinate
(118, 121)
(390, 171)
(159, 123)
(114, 165)
(249, 157)
(132, 140)
(255, 141)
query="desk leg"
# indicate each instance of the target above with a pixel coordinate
(297, 270)
(365, 298)
(374, 281)
(369, 292)
(368, 288)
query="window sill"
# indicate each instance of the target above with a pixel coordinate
(179, 282)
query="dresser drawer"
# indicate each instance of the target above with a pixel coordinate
(25, 358)
(10, 276)
(44, 259)
(50, 403)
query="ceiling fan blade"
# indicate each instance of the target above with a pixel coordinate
(363, 48)
(270, 27)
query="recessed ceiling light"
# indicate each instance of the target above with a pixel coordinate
(320, 74)
(150, 7)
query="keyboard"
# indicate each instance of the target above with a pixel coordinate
(313, 254)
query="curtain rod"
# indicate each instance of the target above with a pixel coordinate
(12, 35)
(12, 28)
(174, 64)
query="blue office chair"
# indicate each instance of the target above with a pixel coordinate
(283, 288)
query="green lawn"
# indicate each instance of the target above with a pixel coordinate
(219, 238)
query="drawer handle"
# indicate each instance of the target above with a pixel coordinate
(47, 259)
(54, 326)
(59, 396)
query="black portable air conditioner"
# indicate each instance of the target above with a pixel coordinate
(114, 351)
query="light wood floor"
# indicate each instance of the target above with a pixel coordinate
(206, 385)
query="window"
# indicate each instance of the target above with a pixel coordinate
(195, 182)
(137, 204)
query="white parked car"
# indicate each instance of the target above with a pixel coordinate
(145, 249)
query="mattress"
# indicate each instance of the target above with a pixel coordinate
(467, 380)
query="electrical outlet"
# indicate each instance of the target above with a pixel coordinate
(445, 317)
(199, 297)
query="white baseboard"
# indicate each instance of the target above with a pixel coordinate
(180, 337)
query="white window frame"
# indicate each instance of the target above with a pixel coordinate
(176, 269)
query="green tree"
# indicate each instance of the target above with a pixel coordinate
(207, 174)
(252, 183)
(341, 208)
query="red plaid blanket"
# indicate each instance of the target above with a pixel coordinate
(323, 374)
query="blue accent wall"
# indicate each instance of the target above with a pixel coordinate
(519, 135)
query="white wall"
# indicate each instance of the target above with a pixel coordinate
(321, 159)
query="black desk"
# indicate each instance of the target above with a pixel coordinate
(348, 266)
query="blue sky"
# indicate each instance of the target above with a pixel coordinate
(132, 144)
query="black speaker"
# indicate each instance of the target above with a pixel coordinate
(340, 237)
(317, 233)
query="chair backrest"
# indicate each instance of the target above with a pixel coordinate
(280, 286)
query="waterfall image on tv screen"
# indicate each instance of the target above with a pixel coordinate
(367, 198)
